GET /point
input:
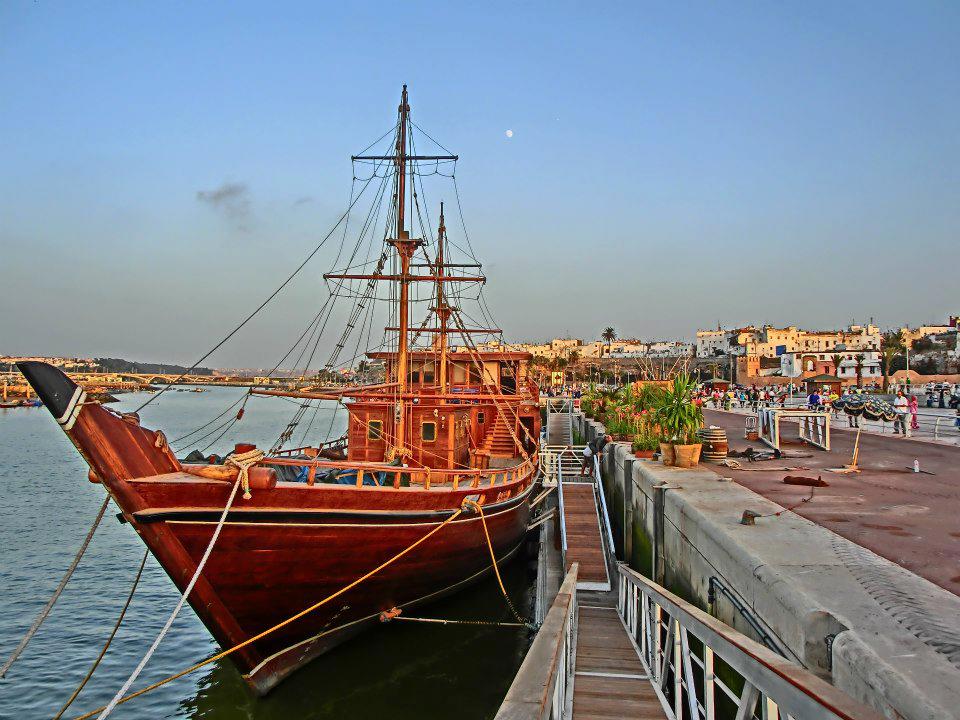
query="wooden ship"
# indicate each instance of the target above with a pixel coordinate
(448, 428)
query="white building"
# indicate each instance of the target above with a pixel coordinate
(796, 364)
(769, 341)
(711, 343)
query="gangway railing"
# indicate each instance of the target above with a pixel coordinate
(610, 550)
(683, 648)
(543, 686)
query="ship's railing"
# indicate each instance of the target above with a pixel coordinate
(543, 687)
(685, 652)
(398, 476)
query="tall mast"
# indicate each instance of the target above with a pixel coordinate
(402, 163)
(405, 249)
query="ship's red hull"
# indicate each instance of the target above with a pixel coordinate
(269, 564)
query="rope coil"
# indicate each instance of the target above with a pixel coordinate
(243, 462)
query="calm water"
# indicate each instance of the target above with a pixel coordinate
(401, 670)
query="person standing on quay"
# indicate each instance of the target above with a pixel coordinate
(914, 408)
(900, 405)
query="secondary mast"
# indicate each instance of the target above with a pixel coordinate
(442, 310)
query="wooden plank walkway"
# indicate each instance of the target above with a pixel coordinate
(610, 680)
(558, 430)
(584, 543)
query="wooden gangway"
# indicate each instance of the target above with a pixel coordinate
(585, 534)
(580, 665)
(638, 651)
(610, 681)
(584, 541)
(559, 424)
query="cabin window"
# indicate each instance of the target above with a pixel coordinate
(375, 430)
(459, 374)
(481, 417)
(428, 431)
(428, 374)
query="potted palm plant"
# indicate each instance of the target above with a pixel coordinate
(679, 418)
(644, 445)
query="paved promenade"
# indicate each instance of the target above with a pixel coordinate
(910, 519)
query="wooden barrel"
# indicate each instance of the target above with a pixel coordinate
(714, 441)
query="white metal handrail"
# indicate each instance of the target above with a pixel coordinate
(543, 686)
(563, 517)
(662, 626)
(605, 515)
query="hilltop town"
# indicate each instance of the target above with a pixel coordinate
(758, 354)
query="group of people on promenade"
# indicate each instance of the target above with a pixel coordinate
(753, 397)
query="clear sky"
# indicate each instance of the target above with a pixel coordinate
(164, 165)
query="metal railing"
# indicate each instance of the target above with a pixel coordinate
(683, 650)
(932, 425)
(543, 686)
(611, 549)
(563, 517)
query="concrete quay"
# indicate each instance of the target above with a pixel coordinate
(873, 628)
(912, 519)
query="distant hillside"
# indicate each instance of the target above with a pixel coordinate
(120, 365)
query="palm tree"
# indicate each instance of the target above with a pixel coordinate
(609, 335)
(890, 346)
(859, 358)
(573, 359)
(837, 356)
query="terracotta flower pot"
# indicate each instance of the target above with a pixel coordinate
(643, 454)
(686, 456)
(666, 453)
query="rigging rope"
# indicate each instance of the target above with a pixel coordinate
(292, 618)
(113, 633)
(264, 303)
(56, 593)
(108, 708)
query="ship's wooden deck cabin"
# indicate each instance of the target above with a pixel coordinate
(475, 421)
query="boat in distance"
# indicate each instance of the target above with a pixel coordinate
(443, 445)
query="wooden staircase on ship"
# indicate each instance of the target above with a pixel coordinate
(499, 442)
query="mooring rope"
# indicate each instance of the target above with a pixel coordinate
(108, 708)
(493, 558)
(56, 593)
(442, 621)
(106, 646)
(213, 658)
